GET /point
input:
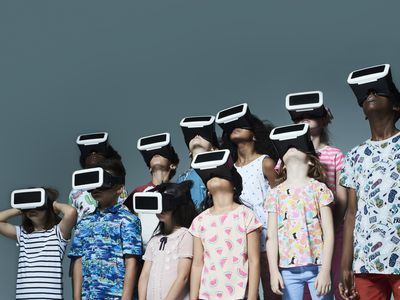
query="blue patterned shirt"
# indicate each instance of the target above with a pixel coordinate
(198, 190)
(102, 239)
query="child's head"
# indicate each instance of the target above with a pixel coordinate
(381, 105)
(257, 133)
(109, 196)
(184, 212)
(162, 163)
(44, 216)
(294, 155)
(88, 160)
(199, 144)
(318, 126)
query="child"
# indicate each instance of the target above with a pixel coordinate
(90, 156)
(168, 257)
(42, 239)
(332, 160)
(162, 163)
(370, 264)
(248, 140)
(200, 136)
(106, 244)
(226, 255)
(300, 225)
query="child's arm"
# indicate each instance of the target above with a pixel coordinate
(144, 279)
(253, 252)
(130, 277)
(323, 280)
(340, 202)
(181, 280)
(8, 229)
(197, 267)
(346, 285)
(77, 278)
(69, 218)
(269, 171)
(272, 254)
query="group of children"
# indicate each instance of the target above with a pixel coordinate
(276, 205)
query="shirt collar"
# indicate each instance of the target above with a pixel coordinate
(112, 209)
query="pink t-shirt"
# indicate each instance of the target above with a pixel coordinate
(164, 255)
(224, 238)
(300, 236)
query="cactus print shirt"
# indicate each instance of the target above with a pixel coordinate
(102, 238)
(300, 236)
(224, 239)
(372, 169)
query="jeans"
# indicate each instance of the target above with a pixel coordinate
(296, 278)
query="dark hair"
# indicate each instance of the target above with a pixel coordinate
(262, 144)
(316, 170)
(174, 159)
(114, 166)
(52, 218)
(184, 213)
(111, 153)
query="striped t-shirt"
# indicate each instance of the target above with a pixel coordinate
(332, 159)
(40, 264)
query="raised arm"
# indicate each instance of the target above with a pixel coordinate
(7, 229)
(69, 218)
(269, 171)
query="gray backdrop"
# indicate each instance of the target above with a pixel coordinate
(136, 68)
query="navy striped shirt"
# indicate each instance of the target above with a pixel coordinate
(40, 264)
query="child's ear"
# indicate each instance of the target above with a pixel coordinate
(120, 190)
(172, 166)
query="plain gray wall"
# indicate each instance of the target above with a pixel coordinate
(135, 68)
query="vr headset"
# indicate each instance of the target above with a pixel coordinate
(25, 199)
(234, 117)
(377, 78)
(203, 126)
(95, 178)
(217, 163)
(306, 104)
(155, 202)
(295, 135)
(93, 142)
(155, 144)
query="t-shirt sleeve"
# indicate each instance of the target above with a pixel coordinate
(185, 248)
(325, 195)
(339, 161)
(270, 201)
(347, 178)
(149, 255)
(131, 234)
(194, 227)
(76, 249)
(251, 221)
(59, 235)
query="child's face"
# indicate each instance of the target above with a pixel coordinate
(294, 154)
(107, 197)
(37, 216)
(241, 134)
(199, 142)
(93, 159)
(159, 162)
(217, 184)
(377, 103)
(165, 217)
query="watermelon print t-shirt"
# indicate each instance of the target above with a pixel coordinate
(224, 238)
(300, 236)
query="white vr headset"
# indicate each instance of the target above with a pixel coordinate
(89, 142)
(24, 199)
(155, 144)
(306, 104)
(94, 178)
(234, 117)
(203, 126)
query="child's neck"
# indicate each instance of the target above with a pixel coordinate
(382, 127)
(159, 176)
(316, 140)
(223, 203)
(39, 226)
(104, 206)
(246, 153)
(297, 174)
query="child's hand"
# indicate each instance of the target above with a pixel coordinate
(277, 283)
(323, 283)
(346, 286)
